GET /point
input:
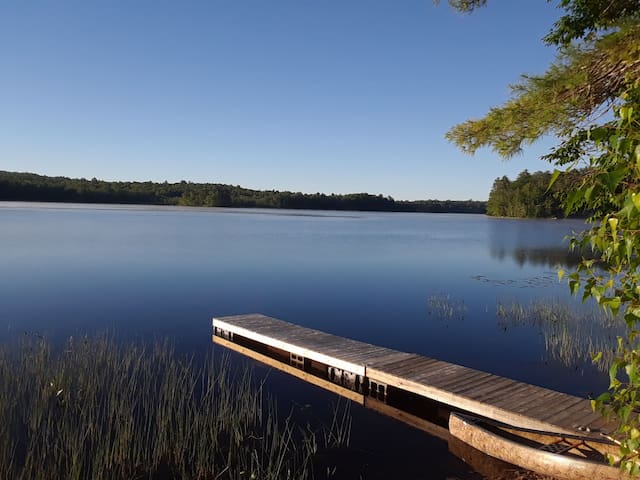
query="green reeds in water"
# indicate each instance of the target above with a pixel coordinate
(571, 334)
(103, 409)
(446, 307)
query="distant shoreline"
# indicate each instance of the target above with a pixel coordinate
(30, 187)
(140, 207)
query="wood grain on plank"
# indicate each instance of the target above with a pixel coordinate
(454, 385)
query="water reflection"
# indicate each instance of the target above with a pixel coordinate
(164, 272)
(571, 334)
(546, 257)
(525, 242)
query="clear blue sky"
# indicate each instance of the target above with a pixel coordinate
(314, 96)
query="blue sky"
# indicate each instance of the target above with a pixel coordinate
(332, 96)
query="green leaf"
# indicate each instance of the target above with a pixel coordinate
(623, 113)
(625, 412)
(572, 201)
(598, 134)
(597, 292)
(613, 304)
(628, 210)
(588, 192)
(574, 286)
(613, 374)
(554, 177)
(632, 373)
(612, 179)
(628, 242)
(604, 398)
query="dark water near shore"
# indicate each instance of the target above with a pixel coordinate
(426, 283)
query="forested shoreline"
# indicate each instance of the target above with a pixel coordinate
(31, 187)
(529, 195)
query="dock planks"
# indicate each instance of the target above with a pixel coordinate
(458, 387)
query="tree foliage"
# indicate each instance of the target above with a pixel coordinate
(586, 17)
(585, 81)
(529, 195)
(590, 99)
(32, 187)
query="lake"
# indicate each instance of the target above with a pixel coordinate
(433, 284)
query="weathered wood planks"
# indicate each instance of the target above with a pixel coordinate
(458, 387)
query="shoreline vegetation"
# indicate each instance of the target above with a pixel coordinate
(98, 408)
(533, 195)
(30, 187)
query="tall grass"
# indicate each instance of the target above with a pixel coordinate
(102, 409)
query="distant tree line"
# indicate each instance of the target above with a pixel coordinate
(39, 188)
(529, 195)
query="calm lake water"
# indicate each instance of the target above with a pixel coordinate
(425, 283)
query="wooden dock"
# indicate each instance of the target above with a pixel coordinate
(399, 383)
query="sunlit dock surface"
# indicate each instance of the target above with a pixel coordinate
(400, 384)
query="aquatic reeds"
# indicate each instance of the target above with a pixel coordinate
(102, 409)
(571, 334)
(446, 307)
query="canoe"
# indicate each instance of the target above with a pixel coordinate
(566, 457)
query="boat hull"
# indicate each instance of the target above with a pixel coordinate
(508, 447)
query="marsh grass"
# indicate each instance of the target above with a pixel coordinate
(446, 307)
(102, 409)
(571, 335)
